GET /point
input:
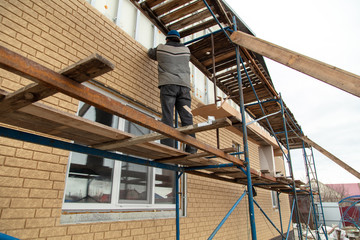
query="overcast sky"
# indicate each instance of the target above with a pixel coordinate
(329, 31)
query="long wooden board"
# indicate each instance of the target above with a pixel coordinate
(334, 76)
(332, 157)
(84, 70)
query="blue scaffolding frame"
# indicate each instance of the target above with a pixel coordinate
(29, 137)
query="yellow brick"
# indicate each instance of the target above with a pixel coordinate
(126, 233)
(140, 238)
(59, 238)
(89, 236)
(78, 229)
(40, 222)
(154, 236)
(19, 162)
(113, 234)
(46, 157)
(6, 224)
(4, 202)
(166, 228)
(60, 152)
(9, 171)
(43, 193)
(58, 185)
(28, 173)
(118, 226)
(7, 151)
(137, 231)
(7, 141)
(13, 192)
(42, 213)
(24, 233)
(51, 167)
(47, 61)
(36, 147)
(26, 203)
(57, 176)
(22, 153)
(136, 224)
(164, 234)
(34, 183)
(56, 212)
(98, 236)
(150, 230)
(100, 227)
(52, 231)
(17, 213)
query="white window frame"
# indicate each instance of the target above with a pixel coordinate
(274, 200)
(115, 205)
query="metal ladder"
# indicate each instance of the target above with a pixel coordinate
(314, 190)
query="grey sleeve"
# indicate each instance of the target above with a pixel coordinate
(152, 53)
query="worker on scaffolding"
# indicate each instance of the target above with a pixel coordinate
(174, 82)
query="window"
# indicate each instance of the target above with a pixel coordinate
(95, 183)
(274, 199)
(237, 147)
(90, 177)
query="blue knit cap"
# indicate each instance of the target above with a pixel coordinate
(173, 33)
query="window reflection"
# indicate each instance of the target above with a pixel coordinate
(90, 177)
(134, 177)
(164, 186)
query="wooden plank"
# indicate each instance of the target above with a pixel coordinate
(153, 3)
(190, 20)
(223, 14)
(220, 57)
(198, 27)
(168, 6)
(336, 77)
(191, 156)
(182, 12)
(331, 157)
(261, 75)
(84, 70)
(16, 63)
(157, 136)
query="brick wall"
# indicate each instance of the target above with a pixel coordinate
(56, 34)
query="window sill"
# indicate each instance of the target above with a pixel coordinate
(75, 218)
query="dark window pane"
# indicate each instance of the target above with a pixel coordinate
(164, 186)
(134, 182)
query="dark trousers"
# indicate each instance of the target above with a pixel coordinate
(178, 96)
